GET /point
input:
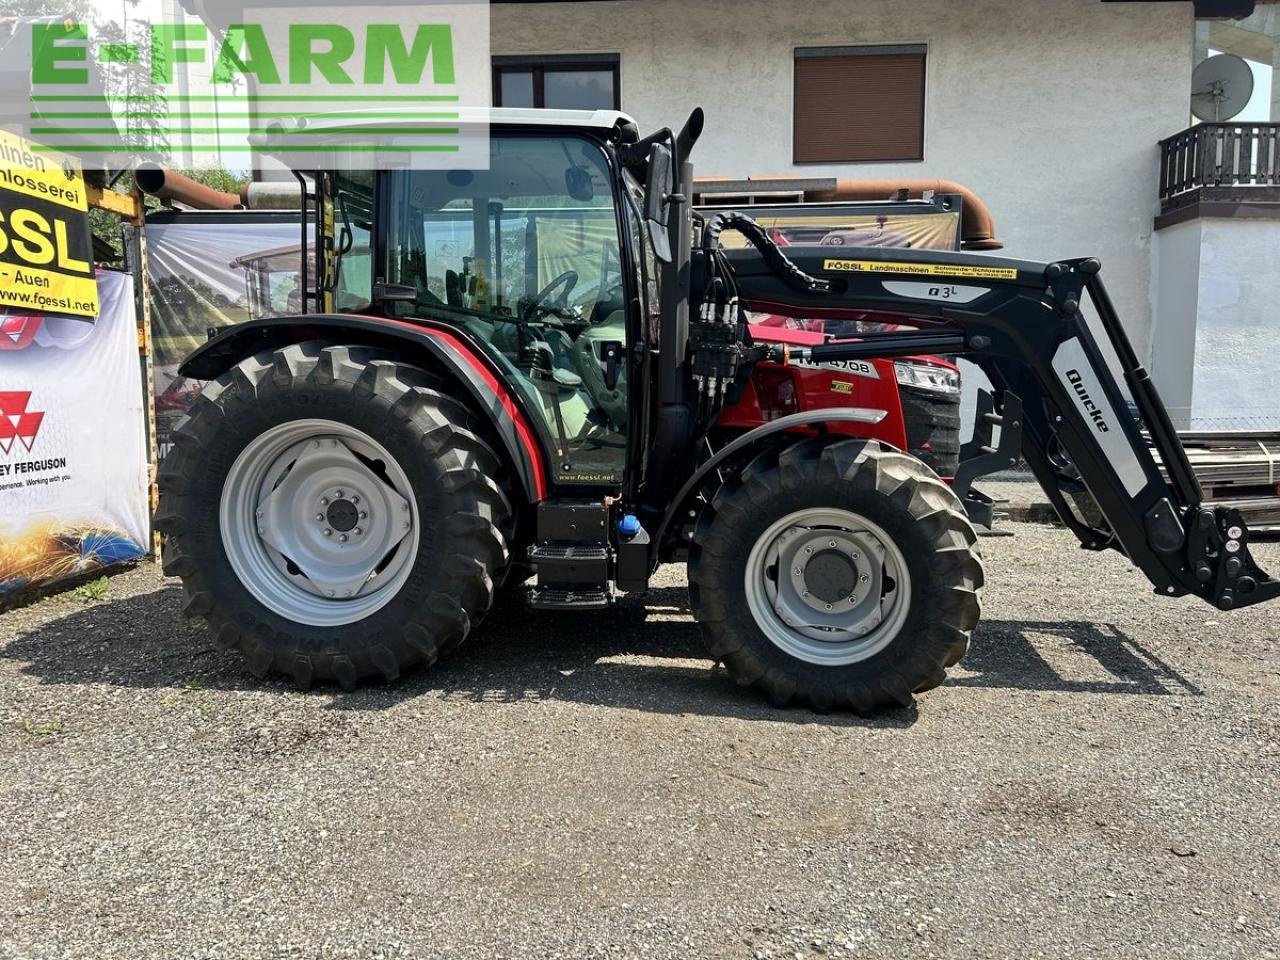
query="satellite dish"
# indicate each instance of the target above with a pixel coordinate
(1220, 87)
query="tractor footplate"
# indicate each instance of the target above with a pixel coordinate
(552, 598)
(572, 556)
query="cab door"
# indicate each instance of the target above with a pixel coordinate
(527, 257)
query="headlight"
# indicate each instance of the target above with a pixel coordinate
(927, 376)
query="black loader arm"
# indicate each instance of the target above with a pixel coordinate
(1025, 324)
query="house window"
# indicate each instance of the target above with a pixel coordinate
(567, 82)
(857, 104)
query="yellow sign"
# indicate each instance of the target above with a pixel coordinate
(925, 269)
(841, 386)
(46, 250)
(41, 173)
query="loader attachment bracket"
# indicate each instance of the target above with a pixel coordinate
(981, 456)
(1218, 550)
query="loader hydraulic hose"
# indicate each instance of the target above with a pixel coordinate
(772, 253)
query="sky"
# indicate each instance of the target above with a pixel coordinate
(1258, 109)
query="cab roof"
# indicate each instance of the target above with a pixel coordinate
(602, 120)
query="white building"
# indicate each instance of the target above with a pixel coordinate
(1051, 110)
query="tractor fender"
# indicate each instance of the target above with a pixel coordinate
(433, 345)
(755, 438)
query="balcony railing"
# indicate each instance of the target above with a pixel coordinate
(1220, 155)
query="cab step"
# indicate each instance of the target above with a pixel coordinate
(567, 553)
(572, 557)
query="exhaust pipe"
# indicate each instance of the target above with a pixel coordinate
(689, 133)
(157, 181)
(977, 227)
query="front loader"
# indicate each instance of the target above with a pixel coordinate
(539, 377)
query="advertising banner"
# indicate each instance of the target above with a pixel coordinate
(916, 231)
(73, 453)
(208, 272)
(46, 252)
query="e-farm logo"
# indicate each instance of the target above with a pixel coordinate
(384, 85)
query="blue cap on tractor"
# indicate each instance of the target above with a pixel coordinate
(628, 526)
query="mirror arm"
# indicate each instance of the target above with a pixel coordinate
(637, 154)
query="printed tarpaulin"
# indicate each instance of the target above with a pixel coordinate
(918, 231)
(201, 275)
(73, 452)
(208, 273)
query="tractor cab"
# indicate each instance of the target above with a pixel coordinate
(539, 261)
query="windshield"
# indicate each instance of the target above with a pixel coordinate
(646, 263)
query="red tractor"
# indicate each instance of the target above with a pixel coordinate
(545, 367)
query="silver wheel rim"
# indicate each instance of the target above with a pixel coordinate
(798, 570)
(319, 522)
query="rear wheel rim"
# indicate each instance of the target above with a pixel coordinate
(319, 522)
(828, 586)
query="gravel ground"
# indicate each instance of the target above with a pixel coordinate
(1099, 780)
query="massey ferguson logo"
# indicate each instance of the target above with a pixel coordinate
(17, 331)
(16, 421)
(1090, 407)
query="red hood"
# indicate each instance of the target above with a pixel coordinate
(771, 334)
(807, 338)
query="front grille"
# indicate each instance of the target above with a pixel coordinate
(933, 428)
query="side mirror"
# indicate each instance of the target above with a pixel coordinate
(387, 292)
(577, 181)
(659, 183)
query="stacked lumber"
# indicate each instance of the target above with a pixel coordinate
(1239, 469)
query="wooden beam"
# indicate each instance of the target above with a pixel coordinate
(122, 203)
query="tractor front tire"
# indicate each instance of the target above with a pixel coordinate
(842, 574)
(333, 515)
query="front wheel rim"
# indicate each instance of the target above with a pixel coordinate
(319, 522)
(828, 586)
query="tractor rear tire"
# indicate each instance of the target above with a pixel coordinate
(801, 532)
(351, 419)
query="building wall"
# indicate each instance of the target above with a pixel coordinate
(1175, 285)
(1049, 109)
(1237, 379)
(1218, 317)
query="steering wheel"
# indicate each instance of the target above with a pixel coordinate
(568, 280)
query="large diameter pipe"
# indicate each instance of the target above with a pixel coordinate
(167, 184)
(977, 228)
(271, 195)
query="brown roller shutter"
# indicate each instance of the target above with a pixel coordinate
(859, 106)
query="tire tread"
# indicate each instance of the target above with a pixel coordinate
(477, 518)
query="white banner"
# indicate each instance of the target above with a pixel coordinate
(73, 453)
